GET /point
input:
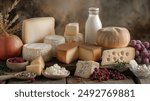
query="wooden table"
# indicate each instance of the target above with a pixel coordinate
(71, 79)
(68, 80)
(143, 80)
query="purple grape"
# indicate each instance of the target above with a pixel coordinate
(145, 53)
(142, 47)
(146, 44)
(138, 59)
(137, 53)
(138, 42)
(133, 43)
(138, 47)
(145, 61)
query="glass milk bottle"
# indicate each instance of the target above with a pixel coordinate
(93, 24)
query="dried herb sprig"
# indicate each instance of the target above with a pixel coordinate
(121, 66)
(16, 28)
(9, 18)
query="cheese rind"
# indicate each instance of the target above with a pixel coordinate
(72, 29)
(67, 52)
(54, 40)
(90, 52)
(119, 54)
(35, 29)
(85, 68)
(76, 38)
(38, 60)
(35, 68)
(32, 51)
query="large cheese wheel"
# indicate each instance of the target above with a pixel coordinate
(32, 51)
(35, 29)
(113, 37)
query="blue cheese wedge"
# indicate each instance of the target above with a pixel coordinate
(85, 68)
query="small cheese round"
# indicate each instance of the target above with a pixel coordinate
(34, 50)
(54, 40)
(75, 38)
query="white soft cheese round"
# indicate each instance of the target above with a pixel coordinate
(34, 50)
(54, 40)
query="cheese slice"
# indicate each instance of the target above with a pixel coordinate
(119, 54)
(38, 60)
(34, 50)
(35, 68)
(72, 29)
(67, 52)
(85, 68)
(90, 52)
(54, 40)
(35, 29)
(76, 38)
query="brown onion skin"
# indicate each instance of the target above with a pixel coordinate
(10, 46)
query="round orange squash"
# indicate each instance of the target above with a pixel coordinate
(10, 46)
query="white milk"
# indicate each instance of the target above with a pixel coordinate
(93, 24)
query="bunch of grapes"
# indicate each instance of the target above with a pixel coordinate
(100, 74)
(142, 51)
(103, 74)
(116, 75)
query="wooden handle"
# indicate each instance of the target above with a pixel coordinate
(5, 77)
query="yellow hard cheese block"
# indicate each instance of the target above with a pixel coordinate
(85, 68)
(90, 52)
(67, 52)
(119, 54)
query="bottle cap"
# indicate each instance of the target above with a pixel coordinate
(93, 9)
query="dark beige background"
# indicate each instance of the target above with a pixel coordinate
(133, 14)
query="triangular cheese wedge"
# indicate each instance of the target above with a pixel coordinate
(35, 68)
(38, 60)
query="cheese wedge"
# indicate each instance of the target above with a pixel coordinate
(38, 60)
(90, 52)
(119, 54)
(35, 68)
(35, 29)
(72, 29)
(67, 52)
(85, 68)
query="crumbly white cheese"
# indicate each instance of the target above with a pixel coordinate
(56, 70)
